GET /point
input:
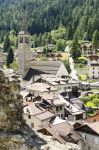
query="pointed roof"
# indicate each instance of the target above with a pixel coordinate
(49, 67)
(23, 32)
(90, 128)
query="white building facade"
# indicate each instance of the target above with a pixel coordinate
(93, 67)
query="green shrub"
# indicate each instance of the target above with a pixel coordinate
(81, 60)
(83, 77)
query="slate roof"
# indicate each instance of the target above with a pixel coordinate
(31, 72)
(90, 128)
(33, 109)
(61, 131)
(45, 115)
(37, 111)
(95, 126)
(50, 67)
(41, 87)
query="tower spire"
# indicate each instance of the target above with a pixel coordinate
(24, 25)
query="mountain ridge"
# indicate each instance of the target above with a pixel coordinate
(80, 17)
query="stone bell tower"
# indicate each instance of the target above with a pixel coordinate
(24, 53)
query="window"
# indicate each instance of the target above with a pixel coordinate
(21, 39)
(66, 115)
(93, 68)
(61, 115)
(93, 72)
(28, 110)
(56, 108)
(26, 40)
(32, 125)
(96, 140)
(84, 136)
(29, 116)
(60, 107)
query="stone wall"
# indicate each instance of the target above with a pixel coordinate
(10, 104)
(14, 133)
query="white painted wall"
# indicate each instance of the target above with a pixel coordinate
(61, 88)
(34, 120)
(59, 112)
(93, 71)
(62, 71)
(92, 140)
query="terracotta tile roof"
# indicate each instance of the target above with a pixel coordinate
(61, 131)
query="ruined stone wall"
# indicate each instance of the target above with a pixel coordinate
(14, 133)
(10, 104)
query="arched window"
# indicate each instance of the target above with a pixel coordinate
(26, 39)
(21, 39)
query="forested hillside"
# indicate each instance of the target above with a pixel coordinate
(80, 17)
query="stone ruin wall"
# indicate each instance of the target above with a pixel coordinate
(10, 104)
(14, 133)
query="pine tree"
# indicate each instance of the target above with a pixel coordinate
(6, 44)
(10, 57)
(95, 40)
(75, 49)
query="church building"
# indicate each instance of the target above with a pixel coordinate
(33, 69)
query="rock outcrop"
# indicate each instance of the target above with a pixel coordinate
(14, 133)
